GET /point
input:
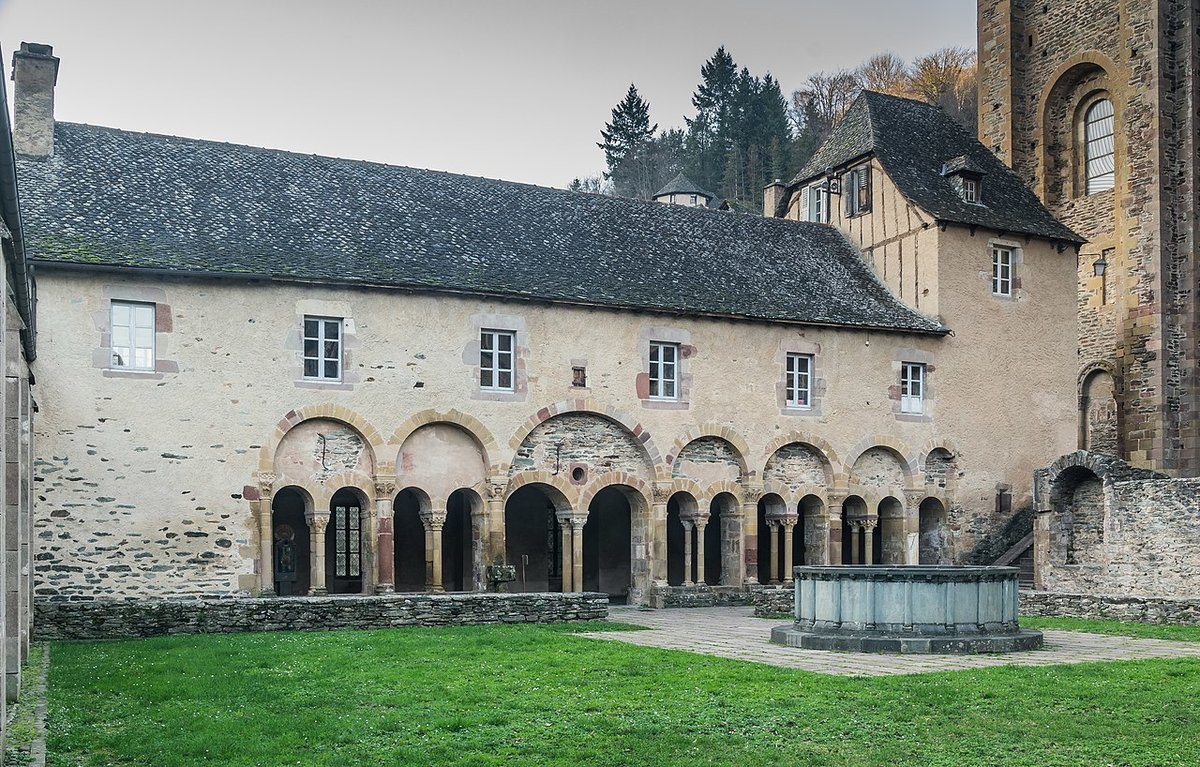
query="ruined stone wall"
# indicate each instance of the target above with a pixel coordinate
(1138, 538)
(155, 617)
(1040, 63)
(148, 483)
(1111, 607)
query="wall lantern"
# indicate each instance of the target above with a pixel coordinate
(1098, 266)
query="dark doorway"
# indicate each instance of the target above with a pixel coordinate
(408, 543)
(456, 544)
(607, 550)
(343, 544)
(533, 540)
(675, 573)
(290, 552)
(714, 536)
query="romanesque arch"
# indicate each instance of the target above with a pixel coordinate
(316, 450)
(934, 545)
(1077, 516)
(536, 541)
(1076, 85)
(581, 446)
(882, 470)
(797, 465)
(441, 457)
(291, 553)
(485, 442)
(1098, 412)
(709, 460)
(535, 430)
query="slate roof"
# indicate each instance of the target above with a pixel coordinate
(112, 198)
(681, 184)
(913, 141)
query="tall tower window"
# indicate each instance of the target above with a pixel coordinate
(1098, 146)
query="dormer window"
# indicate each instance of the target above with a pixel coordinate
(966, 177)
(970, 189)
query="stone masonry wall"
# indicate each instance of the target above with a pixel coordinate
(109, 619)
(1120, 608)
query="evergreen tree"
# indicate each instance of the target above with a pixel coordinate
(628, 132)
(709, 134)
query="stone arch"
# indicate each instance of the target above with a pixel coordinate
(441, 456)
(798, 464)
(1066, 94)
(617, 509)
(934, 544)
(634, 429)
(466, 423)
(347, 545)
(560, 492)
(362, 486)
(583, 444)
(1099, 411)
(290, 510)
(619, 478)
(538, 527)
(885, 468)
(940, 467)
(736, 447)
(831, 463)
(1077, 516)
(314, 451)
(707, 460)
(683, 507)
(733, 489)
(812, 541)
(462, 541)
(339, 413)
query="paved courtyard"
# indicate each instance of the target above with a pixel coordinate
(734, 632)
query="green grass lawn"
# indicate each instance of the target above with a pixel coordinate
(537, 695)
(1117, 628)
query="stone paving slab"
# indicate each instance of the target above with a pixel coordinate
(734, 632)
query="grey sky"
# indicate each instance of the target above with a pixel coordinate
(512, 90)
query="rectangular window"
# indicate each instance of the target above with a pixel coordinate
(798, 380)
(856, 188)
(817, 199)
(970, 189)
(496, 359)
(132, 332)
(664, 370)
(323, 348)
(347, 535)
(912, 387)
(1002, 261)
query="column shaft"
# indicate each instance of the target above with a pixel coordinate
(687, 553)
(385, 557)
(774, 537)
(869, 544)
(700, 552)
(266, 547)
(568, 545)
(788, 530)
(577, 555)
(750, 541)
(435, 533)
(316, 581)
(855, 540)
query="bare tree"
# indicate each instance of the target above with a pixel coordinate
(946, 78)
(827, 95)
(886, 73)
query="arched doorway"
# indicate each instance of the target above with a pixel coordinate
(811, 536)
(680, 507)
(854, 510)
(344, 543)
(291, 556)
(770, 557)
(889, 538)
(533, 538)
(1098, 432)
(934, 533)
(714, 542)
(607, 545)
(458, 542)
(728, 531)
(408, 547)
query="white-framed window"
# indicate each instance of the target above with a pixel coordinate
(1099, 146)
(912, 387)
(347, 537)
(132, 334)
(970, 189)
(323, 348)
(856, 188)
(664, 370)
(694, 200)
(798, 380)
(1002, 269)
(818, 203)
(496, 349)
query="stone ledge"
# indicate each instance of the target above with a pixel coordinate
(1111, 607)
(102, 619)
(1024, 639)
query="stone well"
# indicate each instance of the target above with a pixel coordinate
(906, 609)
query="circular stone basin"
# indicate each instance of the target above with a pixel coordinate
(906, 609)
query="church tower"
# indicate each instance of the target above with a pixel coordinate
(1094, 104)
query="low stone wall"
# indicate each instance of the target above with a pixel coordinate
(1121, 608)
(700, 596)
(770, 601)
(103, 619)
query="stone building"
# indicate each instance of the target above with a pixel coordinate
(17, 342)
(278, 373)
(681, 190)
(1092, 103)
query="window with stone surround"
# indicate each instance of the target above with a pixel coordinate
(496, 349)
(323, 348)
(664, 370)
(1099, 146)
(1002, 270)
(798, 381)
(132, 327)
(912, 387)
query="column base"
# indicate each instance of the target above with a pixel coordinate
(385, 588)
(318, 592)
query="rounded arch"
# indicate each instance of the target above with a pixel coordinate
(1099, 411)
(884, 468)
(934, 533)
(362, 487)
(441, 456)
(1069, 90)
(472, 426)
(556, 488)
(640, 434)
(832, 462)
(329, 411)
(907, 460)
(738, 447)
(628, 483)
(424, 502)
(310, 503)
(687, 504)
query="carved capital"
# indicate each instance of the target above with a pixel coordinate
(913, 498)
(868, 523)
(319, 523)
(266, 481)
(496, 488)
(384, 489)
(662, 492)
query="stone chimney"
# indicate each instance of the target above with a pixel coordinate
(772, 195)
(35, 72)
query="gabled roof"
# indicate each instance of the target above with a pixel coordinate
(913, 141)
(681, 184)
(111, 198)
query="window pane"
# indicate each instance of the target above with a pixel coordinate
(143, 359)
(668, 388)
(655, 349)
(504, 360)
(486, 378)
(143, 316)
(333, 329)
(143, 337)
(505, 380)
(311, 368)
(331, 350)
(121, 336)
(331, 369)
(668, 354)
(505, 342)
(311, 347)
(486, 341)
(311, 328)
(653, 386)
(486, 359)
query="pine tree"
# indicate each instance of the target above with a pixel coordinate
(709, 135)
(629, 132)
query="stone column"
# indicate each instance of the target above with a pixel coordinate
(855, 539)
(568, 547)
(433, 549)
(701, 523)
(266, 546)
(385, 539)
(773, 536)
(577, 524)
(316, 537)
(656, 534)
(868, 527)
(687, 552)
(750, 532)
(494, 551)
(833, 542)
(479, 539)
(912, 527)
(789, 527)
